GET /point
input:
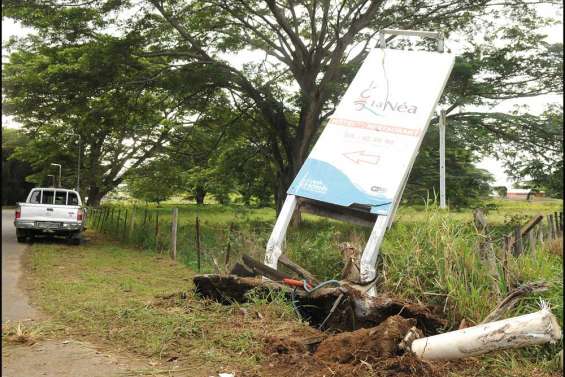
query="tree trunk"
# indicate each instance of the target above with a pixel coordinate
(94, 196)
(199, 195)
(309, 124)
(283, 182)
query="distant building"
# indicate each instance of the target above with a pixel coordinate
(524, 194)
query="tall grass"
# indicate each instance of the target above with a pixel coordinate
(433, 260)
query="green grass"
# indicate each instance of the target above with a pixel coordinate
(428, 252)
(107, 293)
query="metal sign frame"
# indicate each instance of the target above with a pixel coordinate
(442, 124)
(379, 223)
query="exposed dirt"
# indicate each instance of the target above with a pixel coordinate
(362, 335)
(363, 352)
(366, 344)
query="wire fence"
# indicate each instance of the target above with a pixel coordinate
(203, 245)
(212, 246)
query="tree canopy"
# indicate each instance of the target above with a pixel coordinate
(143, 70)
(15, 185)
(93, 92)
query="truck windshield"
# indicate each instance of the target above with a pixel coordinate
(47, 197)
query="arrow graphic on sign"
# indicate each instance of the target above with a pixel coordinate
(362, 157)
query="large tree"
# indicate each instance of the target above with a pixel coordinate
(90, 92)
(465, 183)
(221, 153)
(15, 186)
(542, 170)
(316, 46)
(311, 50)
(155, 181)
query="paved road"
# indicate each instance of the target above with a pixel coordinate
(55, 358)
(15, 305)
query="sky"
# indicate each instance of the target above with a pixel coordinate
(495, 167)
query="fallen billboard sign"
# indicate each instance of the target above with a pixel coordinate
(364, 155)
(369, 144)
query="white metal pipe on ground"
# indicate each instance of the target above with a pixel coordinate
(530, 329)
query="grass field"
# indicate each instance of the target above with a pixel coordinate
(315, 244)
(119, 292)
(142, 303)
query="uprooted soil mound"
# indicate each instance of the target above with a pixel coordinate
(366, 344)
(363, 352)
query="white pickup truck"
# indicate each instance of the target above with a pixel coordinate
(50, 211)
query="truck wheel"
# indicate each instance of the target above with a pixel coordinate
(74, 239)
(21, 235)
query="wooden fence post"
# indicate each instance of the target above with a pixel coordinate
(116, 226)
(157, 232)
(561, 220)
(556, 214)
(144, 217)
(228, 247)
(125, 230)
(98, 214)
(111, 215)
(198, 243)
(101, 219)
(98, 218)
(131, 222)
(118, 216)
(92, 217)
(98, 225)
(532, 241)
(174, 233)
(551, 226)
(518, 246)
(486, 250)
(505, 259)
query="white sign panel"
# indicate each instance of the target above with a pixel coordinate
(369, 144)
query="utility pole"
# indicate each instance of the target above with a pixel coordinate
(78, 165)
(442, 123)
(59, 165)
